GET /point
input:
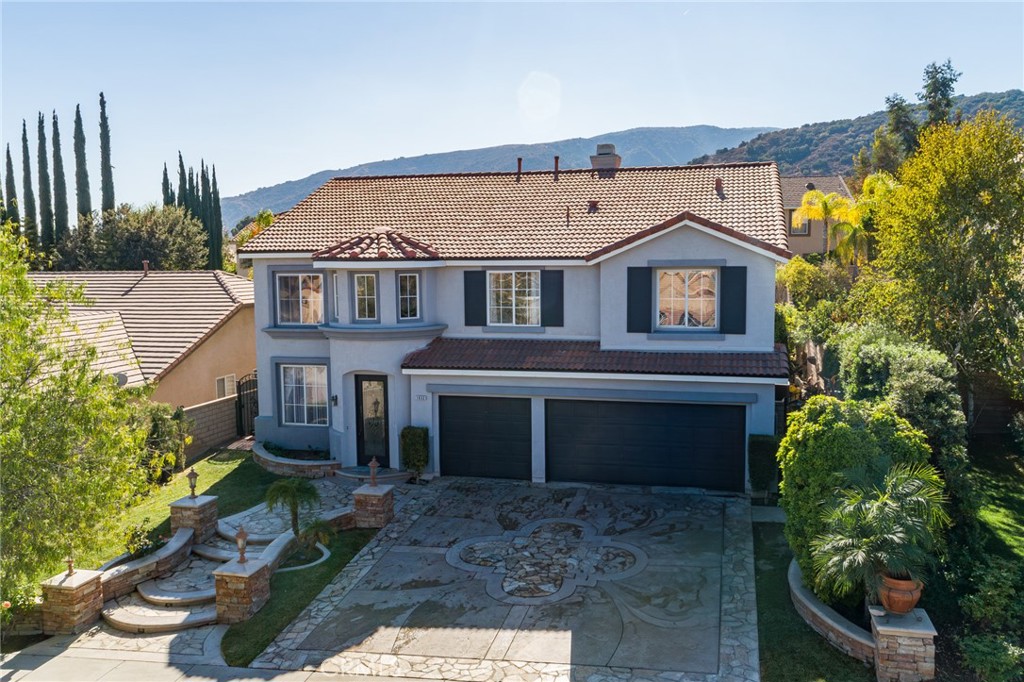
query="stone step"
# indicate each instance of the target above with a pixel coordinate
(133, 614)
(215, 553)
(152, 593)
(227, 532)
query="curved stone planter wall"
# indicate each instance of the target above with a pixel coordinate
(837, 631)
(122, 579)
(299, 468)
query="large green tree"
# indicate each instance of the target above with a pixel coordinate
(83, 199)
(166, 236)
(106, 169)
(70, 439)
(951, 238)
(11, 194)
(61, 226)
(45, 192)
(937, 96)
(28, 222)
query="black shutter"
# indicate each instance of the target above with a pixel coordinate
(475, 297)
(552, 304)
(639, 310)
(732, 300)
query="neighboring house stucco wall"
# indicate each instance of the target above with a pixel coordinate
(812, 242)
(229, 350)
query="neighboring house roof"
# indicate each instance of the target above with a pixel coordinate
(105, 331)
(795, 186)
(165, 315)
(515, 355)
(522, 215)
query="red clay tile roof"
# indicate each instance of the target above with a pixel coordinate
(515, 355)
(165, 314)
(795, 186)
(529, 215)
(381, 244)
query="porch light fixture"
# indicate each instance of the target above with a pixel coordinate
(192, 476)
(70, 561)
(240, 538)
(334, 400)
(373, 471)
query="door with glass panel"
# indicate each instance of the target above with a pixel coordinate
(372, 419)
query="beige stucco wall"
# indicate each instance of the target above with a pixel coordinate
(230, 350)
(803, 244)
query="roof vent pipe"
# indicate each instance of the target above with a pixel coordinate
(556, 169)
(145, 268)
(809, 186)
(719, 188)
(519, 167)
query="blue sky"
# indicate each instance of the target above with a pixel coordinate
(275, 91)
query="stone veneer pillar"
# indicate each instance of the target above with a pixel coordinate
(71, 603)
(904, 646)
(199, 514)
(242, 589)
(375, 505)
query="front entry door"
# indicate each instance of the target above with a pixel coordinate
(372, 419)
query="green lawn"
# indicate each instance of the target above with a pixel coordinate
(238, 482)
(290, 593)
(790, 650)
(999, 473)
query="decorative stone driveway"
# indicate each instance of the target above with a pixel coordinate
(494, 580)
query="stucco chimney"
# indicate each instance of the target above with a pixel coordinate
(606, 158)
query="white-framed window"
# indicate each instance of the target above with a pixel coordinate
(408, 295)
(304, 394)
(226, 385)
(513, 297)
(364, 287)
(687, 298)
(300, 299)
(798, 228)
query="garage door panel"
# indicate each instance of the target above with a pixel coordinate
(489, 437)
(646, 443)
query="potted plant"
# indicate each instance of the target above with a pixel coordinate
(879, 536)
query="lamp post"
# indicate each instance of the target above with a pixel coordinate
(192, 476)
(373, 471)
(240, 537)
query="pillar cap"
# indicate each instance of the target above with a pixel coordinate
(63, 581)
(373, 490)
(913, 624)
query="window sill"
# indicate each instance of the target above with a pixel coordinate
(512, 329)
(685, 336)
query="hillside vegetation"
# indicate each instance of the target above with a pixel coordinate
(828, 148)
(638, 147)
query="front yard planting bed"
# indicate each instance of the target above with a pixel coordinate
(290, 593)
(790, 650)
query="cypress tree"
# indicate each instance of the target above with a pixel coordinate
(82, 197)
(60, 189)
(190, 202)
(218, 221)
(182, 182)
(45, 192)
(106, 170)
(166, 188)
(206, 210)
(28, 225)
(11, 193)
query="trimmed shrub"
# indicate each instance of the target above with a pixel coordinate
(993, 657)
(827, 440)
(764, 464)
(414, 447)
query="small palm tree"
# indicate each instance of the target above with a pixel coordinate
(877, 529)
(828, 208)
(318, 531)
(292, 493)
(851, 241)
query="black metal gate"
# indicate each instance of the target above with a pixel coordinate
(246, 404)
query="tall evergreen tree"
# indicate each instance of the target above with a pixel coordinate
(106, 170)
(190, 202)
(213, 257)
(182, 181)
(45, 192)
(28, 225)
(166, 188)
(83, 200)
(218, 221)
(60, 189)
(901, 122)
(11, 193)
(937, 96)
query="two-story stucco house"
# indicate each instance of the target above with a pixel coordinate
(607, 325)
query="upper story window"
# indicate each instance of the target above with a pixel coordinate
(687, 298)
(797, 227)
(365, 289)
(408, 296)
(300, 299)
(513, 298)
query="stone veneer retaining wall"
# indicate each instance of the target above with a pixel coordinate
(27, 621)
(214, 423)
(837, 631)
(122, 579)
(71, 603)
(198, 513)
(299, 468)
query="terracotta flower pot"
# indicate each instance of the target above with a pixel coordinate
(898, 595)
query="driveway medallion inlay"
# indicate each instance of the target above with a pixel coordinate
(545, 561)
